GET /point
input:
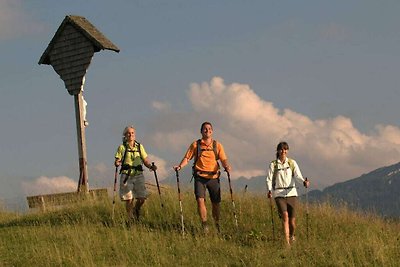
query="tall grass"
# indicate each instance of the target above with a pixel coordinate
(86, 235)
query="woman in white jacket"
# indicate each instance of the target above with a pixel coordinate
(283, 173)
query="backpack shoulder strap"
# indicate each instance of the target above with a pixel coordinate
(198, 151)
(291, 165)
(139, 149)
(275, 162)
(196, 156)
(215, 150)
(125, 152)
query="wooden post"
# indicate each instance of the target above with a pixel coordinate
(83, 174)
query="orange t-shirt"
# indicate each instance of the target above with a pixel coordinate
(207, 161)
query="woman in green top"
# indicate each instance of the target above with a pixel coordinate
(130, 156)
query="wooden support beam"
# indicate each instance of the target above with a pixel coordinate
(80, 127)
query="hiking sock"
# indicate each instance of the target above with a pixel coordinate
(205, 227)
(136, 213)
(218, 227)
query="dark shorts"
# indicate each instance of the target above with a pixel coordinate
(286, 204)
(212, 185)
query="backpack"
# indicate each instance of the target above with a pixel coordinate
(127, 167)
(198, 154)
(291, 166)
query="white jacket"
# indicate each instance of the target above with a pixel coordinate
(285, 180)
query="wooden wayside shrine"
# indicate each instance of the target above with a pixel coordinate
(70, 52)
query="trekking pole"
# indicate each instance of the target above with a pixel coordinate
(158, 185)
(180, 201)
(244, 194)
(245, 190)
(272, 218)
(307, 225)
(233, 202)
(114, 192)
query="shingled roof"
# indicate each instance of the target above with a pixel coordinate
(81, 24)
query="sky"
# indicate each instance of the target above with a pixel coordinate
(321, 75)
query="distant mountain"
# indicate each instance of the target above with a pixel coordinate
(377, 191)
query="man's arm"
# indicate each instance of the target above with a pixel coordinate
(226, 165)
(183, 163)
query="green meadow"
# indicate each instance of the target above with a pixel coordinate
(86, 234)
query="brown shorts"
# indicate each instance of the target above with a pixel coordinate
(286, 204)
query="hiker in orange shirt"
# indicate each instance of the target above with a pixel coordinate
(206, 172)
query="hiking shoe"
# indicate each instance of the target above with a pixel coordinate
(218, 228)
(206, 229)
(136, 213)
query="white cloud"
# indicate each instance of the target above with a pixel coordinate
(100, 168)
(174, 140)
(161, 106)
(15, 21)
(49, 185)
(327, 150)
(389, 133)
(163, 171)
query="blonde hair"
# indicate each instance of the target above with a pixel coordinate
(125, 132)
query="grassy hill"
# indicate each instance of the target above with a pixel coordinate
(86, 235)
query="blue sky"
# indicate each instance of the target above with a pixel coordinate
(322, 75)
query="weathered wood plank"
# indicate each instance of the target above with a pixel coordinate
(51, 200)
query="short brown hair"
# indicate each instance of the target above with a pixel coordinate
(204, 124)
